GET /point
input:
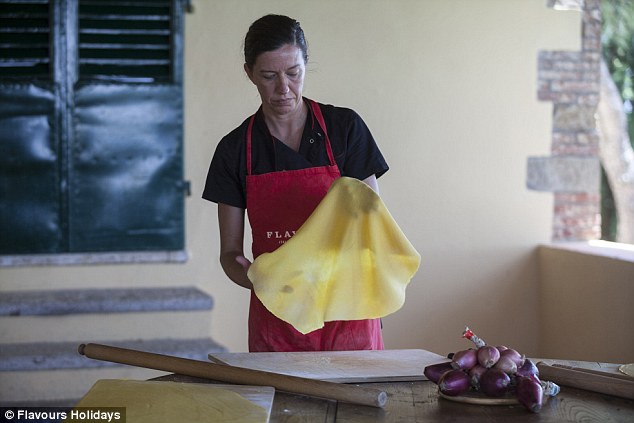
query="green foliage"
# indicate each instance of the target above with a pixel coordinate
(617, 39)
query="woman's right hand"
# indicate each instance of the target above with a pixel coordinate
(244, 262)
(236, 267)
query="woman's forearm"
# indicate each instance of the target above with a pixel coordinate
(232, 260)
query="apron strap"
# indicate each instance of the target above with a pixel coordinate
(320, 119)
(249, 132)
(322, 123)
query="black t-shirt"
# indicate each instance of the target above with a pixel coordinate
(353, 147)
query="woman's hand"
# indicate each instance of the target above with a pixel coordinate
(244, 262)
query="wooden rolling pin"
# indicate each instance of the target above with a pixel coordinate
(604, 384)
(237, 375)
(595, 372)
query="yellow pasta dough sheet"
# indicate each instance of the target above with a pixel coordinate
(348, 261)
(158, 402)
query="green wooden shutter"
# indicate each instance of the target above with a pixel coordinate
(126, 172)
(24, 40)
(126, 167)
(29, 149)
(92, 160)
(127, 41)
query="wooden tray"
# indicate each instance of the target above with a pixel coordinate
(481, 399)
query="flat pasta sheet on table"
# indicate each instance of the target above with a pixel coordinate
(157, 402)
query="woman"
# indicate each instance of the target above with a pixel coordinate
(278, 165)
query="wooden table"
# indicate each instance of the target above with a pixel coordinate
(419, 402)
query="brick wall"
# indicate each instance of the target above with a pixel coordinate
(571, 81)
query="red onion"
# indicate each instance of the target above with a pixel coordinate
(513, 355)
(433, 372)
(476, 373)
(488, 356)
(507, 365)
(530, 394)
(527, 369)
(502, 348)
(454, 382)
(464, 359)
(494, 382)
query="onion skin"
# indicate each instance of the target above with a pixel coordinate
(527, 369)
(494, 382)
(454, 382)
(476, 373)
(513, 355)
(464, 359)
(488, 356)
(507, 365)
(433, 372)
(530, 394)
(550, 388)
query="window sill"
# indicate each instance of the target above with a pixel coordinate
(614, 250)
(135, 257)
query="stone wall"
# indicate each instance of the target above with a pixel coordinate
(571, 80)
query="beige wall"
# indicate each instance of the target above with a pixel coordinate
(586, 303)
(448, 87)
(449, 90)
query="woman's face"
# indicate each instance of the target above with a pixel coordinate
(279, 77)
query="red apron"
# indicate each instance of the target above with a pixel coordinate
(278, 203)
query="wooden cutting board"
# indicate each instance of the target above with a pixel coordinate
(259, 395)
(338, 366)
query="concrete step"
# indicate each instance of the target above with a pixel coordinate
(39, 356)
(112, 300)
(47, 369)
(61, 387)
